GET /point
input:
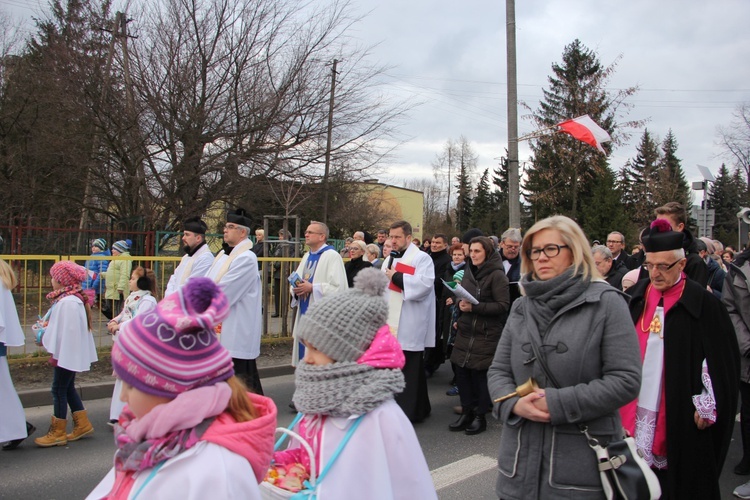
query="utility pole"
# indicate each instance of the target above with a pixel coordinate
(514, 196)
(328, 143)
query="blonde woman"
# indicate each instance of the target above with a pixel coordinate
(357, 250)
(582, 328)
(13, 426)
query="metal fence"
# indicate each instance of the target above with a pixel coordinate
(34, 283)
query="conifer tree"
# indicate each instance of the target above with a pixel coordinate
(673, 185)
(604, 211)
(640, 180)
(482, 209)
(467, 162)
(726, 197)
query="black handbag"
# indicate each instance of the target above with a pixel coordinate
(625, 475)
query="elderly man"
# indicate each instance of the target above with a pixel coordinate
(616, 245)
(411, 314)
(235, 269)
(683, 417)
(510, 250)
(611, 273)
(358, 236)
(321, 273)
(198, 257)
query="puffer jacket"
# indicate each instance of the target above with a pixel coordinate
(479, 329)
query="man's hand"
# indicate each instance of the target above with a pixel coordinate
(304, 289)
(700, 422)
(390, 273)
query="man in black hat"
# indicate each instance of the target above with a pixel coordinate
(235, 269)
(683, 418)
(198, 257)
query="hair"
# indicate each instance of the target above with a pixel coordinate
(487, 245)
(602, 250)
(359, 244)
(572, 235)
(441, 236)
(679, 253)
(146, 279)
(244, 228)
(358, 233)
(372, 248)
(323, 227)
(512, 234)
(731, 254)
(618, 233)
(674, 211)
(7, 276)
(240, 407)
(454, 247)
(383, 231)
(700, 245)
(260, 232)
(416, 241)
(402, 224)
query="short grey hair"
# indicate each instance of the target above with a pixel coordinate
(244, 228)
(359, 235)
(601, 249)
(373, 249)
(513, 234)
(323, 226)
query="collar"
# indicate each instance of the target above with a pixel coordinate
(192, 251)
(691, 300)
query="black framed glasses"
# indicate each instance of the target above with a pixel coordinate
(550, 251)
(662, 268)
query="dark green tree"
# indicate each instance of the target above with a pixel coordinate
(673, 185)
(726, 196)
(639, 180)
(483, 205)
(467, 162)
(604, 210)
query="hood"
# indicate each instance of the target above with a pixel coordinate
(493, 262)
(252, 440)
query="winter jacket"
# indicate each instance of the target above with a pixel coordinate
(615, 275)
(117, 277)
(716, 277)
(695, 268)
(479, 329)
(97, 268)
(353, 267)
(592, 349)
(736, 298)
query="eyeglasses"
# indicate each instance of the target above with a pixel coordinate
(662, 268)
(231, 226)
(311, 232)
(550, 251)
(615, 241)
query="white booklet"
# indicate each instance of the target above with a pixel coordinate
(460, 292)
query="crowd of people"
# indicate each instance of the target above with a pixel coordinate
(653, 344)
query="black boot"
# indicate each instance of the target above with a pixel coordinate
(463, 421)
(478, 425)
(12, 445)
(743, 467)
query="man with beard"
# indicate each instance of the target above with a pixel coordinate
(411, 315)
(198, 257)
(435, 356)
(683, 417)
(235, 269)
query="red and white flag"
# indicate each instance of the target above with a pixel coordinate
(585, 129)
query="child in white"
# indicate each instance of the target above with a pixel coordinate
(352, 369)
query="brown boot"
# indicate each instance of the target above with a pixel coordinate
(56, 434)
(81, 426)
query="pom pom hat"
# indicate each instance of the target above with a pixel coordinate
(68, 273)
(342, 326)
(122, 246)
(99, 243)
(173, 348)
(659, 237)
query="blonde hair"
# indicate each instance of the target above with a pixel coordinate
(7, 275)
(359, 244)
(572, 235)
(240, 407)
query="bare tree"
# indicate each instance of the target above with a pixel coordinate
(735, 139)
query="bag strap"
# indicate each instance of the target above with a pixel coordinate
(149, 478)
(284, 436)
(339, 449)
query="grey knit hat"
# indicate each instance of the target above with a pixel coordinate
(342, 326)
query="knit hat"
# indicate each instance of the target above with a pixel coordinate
(173, 348)
(195, 225)
(68, 273)
(342, 326)
(122, 246)
(471, 233)
(659, 237)
(99, 243)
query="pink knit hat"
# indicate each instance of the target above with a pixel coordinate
(68, 273)
(173, 348)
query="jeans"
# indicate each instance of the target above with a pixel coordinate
(64, 393)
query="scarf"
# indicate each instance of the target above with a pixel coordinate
(165, 432)
(457, 267)
(86, 296)
(547, 297)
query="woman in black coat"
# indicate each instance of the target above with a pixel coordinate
(479, 329)
(357, 263)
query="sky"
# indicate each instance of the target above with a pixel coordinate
(689, 59)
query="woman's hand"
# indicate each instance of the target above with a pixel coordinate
(465, 306)
(528, 407)
(449, 301)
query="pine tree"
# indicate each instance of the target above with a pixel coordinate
(673, 185)
(640, 180)
(604, 211)
(726, 198)
(482, 209)
(466, 165)
(501, 216)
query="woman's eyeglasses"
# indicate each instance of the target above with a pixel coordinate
(550, 251)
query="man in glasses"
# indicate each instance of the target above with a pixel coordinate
(235, 269)
(676, 215)
(683, 417)
(616, 245)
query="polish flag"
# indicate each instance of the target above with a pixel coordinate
(585, 129)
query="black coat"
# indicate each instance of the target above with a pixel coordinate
(697, 327)
(615, 275)
(353, 267)
(479, 330)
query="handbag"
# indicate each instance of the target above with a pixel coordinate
(625, 475)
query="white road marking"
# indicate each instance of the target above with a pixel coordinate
(465, 468)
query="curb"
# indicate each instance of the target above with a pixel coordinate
(88, 392)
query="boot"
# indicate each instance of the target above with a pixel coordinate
(56, 434)
(12, 445)
(478, 425)
(81, 426)
(463, 421)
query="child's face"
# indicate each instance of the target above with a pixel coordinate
(139, 402)
(133, 283)
(315, 357)
(56, 284)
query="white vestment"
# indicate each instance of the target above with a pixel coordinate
(12, 418)
(197, 265)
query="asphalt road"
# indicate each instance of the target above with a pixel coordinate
(463, 466)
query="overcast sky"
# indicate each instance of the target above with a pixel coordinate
(689, 58)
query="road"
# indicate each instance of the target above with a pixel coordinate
(463, 467)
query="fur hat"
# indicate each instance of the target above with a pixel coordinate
(342, 326)
(173, 348)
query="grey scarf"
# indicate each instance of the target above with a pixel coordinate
(547, 297)
(344, 388)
